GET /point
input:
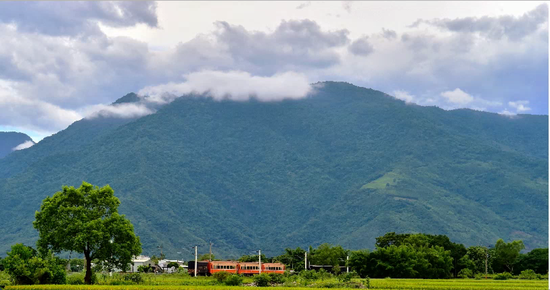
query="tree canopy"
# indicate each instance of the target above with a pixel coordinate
(89, 216)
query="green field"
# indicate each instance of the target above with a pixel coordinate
(413, 284)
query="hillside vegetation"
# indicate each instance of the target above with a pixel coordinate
(343, 166)
(10, 140)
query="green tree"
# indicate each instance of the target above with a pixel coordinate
(293, 259)
(536, 260)
(26, 266)
(207, 257)
(86, 220)
(390, 239)
(506, 255)
(173, 265)
(326, 254)
(358, 262)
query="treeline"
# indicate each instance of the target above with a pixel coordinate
(419, 256)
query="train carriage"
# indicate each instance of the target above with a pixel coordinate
(249, 268)
(278, 268)
(223, 266)
(202, 268)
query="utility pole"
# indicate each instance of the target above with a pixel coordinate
(486, 258)
(196, 254)
(347, 266)
(260, 261)
(210, 251)
(305, 264)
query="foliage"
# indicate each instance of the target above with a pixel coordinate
(26, 266)
(528, 274)
(536, 259)
(174, 265)
(252, 258)
(221, 276)
(327, 254)
(262, 280)
(506, 254)
(145, 269)
(133, 277)
(89, 215)
(205, 257)
(234, 280)
(293, 259)
(466, 273)
(503, 276)
(75, 279)
(275, 278)
(77, 265)
(9, 140)
(5, 279)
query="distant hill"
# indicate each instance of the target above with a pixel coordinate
(343, 166)
(10, 140)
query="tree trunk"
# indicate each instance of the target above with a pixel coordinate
(88, 277)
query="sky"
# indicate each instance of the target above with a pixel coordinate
(64, 61)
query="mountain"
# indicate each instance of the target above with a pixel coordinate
(343, 166)
(10, 140)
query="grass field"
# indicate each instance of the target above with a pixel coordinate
(413, 284)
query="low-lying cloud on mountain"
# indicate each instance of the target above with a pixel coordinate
(233, 85)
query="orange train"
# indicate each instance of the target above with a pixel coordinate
(241, 268)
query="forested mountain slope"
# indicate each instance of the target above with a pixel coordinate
(10, 140)
(343, 166)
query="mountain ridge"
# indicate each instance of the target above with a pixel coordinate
(292, 173)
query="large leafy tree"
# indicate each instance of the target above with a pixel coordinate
(506, 255)
(536, 260)
(86, 220)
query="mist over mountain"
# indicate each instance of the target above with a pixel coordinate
(343, 165)
(13, 141)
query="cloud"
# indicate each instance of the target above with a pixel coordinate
(403, 95)
(457, 96)
(124, 111)
(507, 113)
(520, 106)
(304, 5)
(233, 85)
(347, 5)
(21, 111)
(388, 33)
(514, 28)
(24, 145)
(361, 47)
(78, 17)
(292, 45)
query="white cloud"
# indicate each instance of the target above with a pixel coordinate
(520, 106)
(507, 113)
(24, 145)
(404, 95)
(125, 111)
(233, 85)
(457, 96)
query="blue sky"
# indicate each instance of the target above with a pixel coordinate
(63, 61)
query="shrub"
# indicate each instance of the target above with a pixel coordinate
(309, 275)
(528, 274)
(133, 277)
(345, 277)
(221, 276)
(4, 279)
(234, 280)
(503, 276)
(75, 279)
(466, 273)
(262, 280)
(276, 278)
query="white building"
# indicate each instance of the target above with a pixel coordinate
(140, 261)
